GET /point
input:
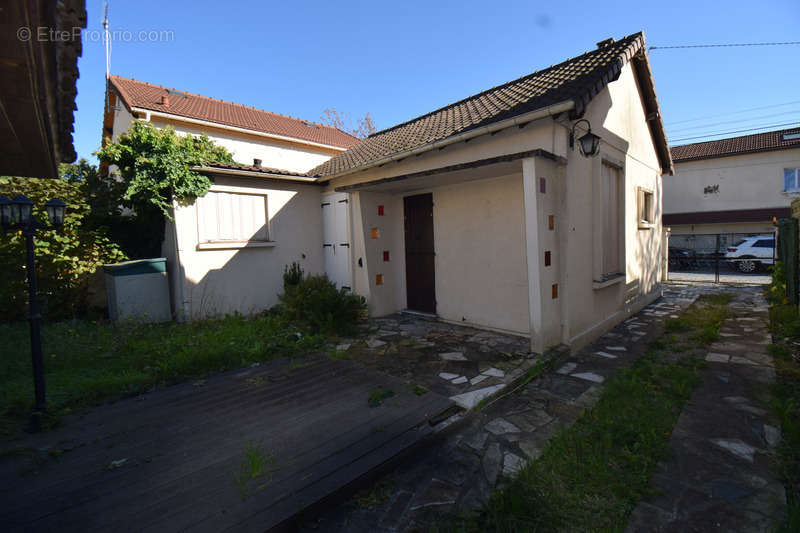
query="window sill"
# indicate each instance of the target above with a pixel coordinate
(234, 245)
(646, 225)
(607, 282)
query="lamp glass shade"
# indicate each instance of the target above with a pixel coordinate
(55, 211)
(21, 209)
(589, 144)
(5, 211)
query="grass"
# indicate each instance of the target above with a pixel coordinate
(255, 464)
(785, 404)
(379, 395)
(592, 474)
(87, 363)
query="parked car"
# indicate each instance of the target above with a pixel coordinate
(681, 259)
(752, 253)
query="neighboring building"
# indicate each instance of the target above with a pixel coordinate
(274, 214)
(37, 85)
(482, 212)
(732, 187)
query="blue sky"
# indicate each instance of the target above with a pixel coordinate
(402, 59)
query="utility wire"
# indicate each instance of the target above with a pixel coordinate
(736, 131)
(727, 45)
(698, 127)
(732, 113)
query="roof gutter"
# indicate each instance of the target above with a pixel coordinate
(253, 174)
(518, 120)
(148, 114)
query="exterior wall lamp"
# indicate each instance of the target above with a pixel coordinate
(17, 214)
(588, 143)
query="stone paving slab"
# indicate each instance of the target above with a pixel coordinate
(718, 474)
(461, 469)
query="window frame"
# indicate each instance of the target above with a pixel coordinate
(648, 220)
(796, 187)
(602, 279)
(227, 244)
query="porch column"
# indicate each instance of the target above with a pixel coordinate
(532, 215)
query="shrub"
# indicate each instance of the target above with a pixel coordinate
(316, 303)
(65, 258)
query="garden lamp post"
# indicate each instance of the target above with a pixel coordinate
(17, 213)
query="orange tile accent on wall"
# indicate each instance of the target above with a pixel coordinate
(379, 279)
(551, 222)
(375, 233)
(555, 291)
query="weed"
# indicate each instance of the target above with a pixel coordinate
(378, 396)
(374, 496)
(255, 464)
(419, 390)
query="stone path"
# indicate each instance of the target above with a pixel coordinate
(463, 363)
(472, 457)
(718, 477)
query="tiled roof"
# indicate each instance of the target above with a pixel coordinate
(578, 79)
(136, 93)
(758, 142)
(251, 168)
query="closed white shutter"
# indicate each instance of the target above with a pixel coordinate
(612, 220)
(223, 216)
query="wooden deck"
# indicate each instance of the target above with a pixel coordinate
(169, 461)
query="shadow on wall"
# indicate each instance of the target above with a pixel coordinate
(248, 280)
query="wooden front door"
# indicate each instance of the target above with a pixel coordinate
(420, 273)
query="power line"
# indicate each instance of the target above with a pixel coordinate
(735, 131)
(718, 115)
(726, 45)
(738, 121)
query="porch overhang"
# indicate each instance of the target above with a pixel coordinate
(478, 169)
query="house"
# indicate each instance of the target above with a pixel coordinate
(37, 85)
(731, 187)
(226, 252)
(487, 212)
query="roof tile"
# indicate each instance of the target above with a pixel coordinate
(148, 96)
(758, 142)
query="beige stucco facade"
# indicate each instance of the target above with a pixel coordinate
(728, 184)
(492, 227)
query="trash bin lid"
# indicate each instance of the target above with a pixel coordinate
(136, 267)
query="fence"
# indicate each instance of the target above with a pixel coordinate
(722, 257)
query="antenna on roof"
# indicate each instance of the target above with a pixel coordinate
(108, 49)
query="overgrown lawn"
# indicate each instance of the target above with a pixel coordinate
(87, 363)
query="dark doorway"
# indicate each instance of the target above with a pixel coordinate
(420, 273)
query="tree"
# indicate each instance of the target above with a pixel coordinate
(153, 168)
(364, 126)
(65, 258)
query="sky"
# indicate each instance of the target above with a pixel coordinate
(399, 60)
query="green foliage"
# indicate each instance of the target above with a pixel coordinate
(378, 396)
(776, 290)
(65, 258)
(87, 363)
(154, 167)
(315, 302)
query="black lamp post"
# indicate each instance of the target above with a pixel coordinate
(17, 213)
(588, 143)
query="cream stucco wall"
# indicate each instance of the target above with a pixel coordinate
(245, 280)
(245, 148)
(748, 181)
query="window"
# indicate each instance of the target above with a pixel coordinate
(791, 179)
(612, 221)
(225, 217)
(645, 207)
(764, 243)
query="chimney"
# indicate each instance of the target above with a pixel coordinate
(165, 100)
(256, 163)
(607, 42)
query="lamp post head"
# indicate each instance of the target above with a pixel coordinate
(21, 210)
(589, 144)
(55, 212)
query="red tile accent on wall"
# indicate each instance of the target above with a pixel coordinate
(542, 185)
(547, 258)
(555, 291)
(386, 255)
(380, 210)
